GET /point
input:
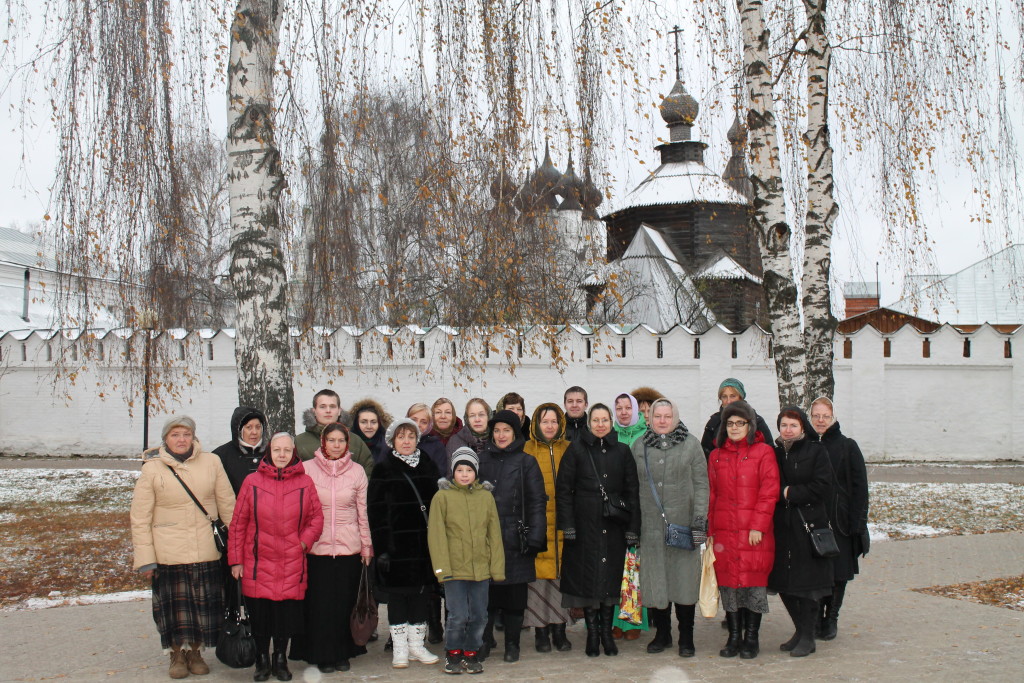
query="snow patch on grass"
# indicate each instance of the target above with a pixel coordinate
(56, 599)
(44, 485)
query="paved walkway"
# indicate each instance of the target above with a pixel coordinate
(887, 633)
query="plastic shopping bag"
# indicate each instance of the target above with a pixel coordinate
(708, 596)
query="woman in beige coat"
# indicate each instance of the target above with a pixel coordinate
(174, 546)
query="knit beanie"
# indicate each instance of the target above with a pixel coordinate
(464, 455)
(735, 384)
(509, 418)
(178, 421)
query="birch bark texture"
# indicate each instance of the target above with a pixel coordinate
(256, 182)
(768, 214)
(822, 209)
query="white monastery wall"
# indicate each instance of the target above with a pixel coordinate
(66, 393)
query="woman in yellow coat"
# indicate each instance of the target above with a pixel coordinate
(544, 609)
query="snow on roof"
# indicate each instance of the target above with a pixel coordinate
(23, 250)
(989, 291)
(724, 267)
(680, 182)
(657, 290)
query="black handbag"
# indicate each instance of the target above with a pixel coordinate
(676, 535)
(613, 508)
(217, 526)
(823, 541)
(236, 646)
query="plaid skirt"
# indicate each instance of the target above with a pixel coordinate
(188, 603)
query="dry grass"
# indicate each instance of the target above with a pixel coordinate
(913, 510)
(1008, 592)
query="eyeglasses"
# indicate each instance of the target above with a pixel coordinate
(737, 423)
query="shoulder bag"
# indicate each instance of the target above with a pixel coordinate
(676, 535)
(219, 528)
(823, 541)
(614, 509)
(419, 498)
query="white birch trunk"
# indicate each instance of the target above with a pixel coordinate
(768, 215)
(256, 182)
(822, 209)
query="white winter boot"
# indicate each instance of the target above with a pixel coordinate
(400, 646)
(417, 650)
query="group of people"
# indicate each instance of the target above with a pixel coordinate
(512, 521)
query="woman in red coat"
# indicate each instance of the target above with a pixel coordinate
(744, 479)
(277, 518)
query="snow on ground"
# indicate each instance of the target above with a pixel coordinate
(56, 599)
(58, 485)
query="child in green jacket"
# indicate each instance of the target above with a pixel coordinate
(464, 535)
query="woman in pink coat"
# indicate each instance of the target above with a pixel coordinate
(336, 560)
(744, 480)
(277, 518)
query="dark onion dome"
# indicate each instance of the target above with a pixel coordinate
(544, 181)
(591, 197)
(503, 188)
(679, 107)
(525, 199)
(737, 134)
(570, 189)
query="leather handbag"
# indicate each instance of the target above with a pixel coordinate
(236, 646)
(613, 508)
(363, 621)
(823, 541)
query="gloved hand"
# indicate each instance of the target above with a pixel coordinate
(384, 562)
(569, 534)
(699, 529)
(532, 551)
(632, 539)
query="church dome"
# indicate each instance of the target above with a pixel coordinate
(679, 107)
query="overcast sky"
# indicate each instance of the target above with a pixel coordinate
(26, 168)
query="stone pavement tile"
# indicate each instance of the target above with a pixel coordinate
(886, 633)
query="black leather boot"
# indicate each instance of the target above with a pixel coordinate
(830, 625)
(732, 645)
(558, 638)
(790, 604)
(435, 631)
(262, 672)
(662, 620)
(279, 666)
(513, 629)
(823, 606)
(488, 639)
(542, 638)
(807, 612)
(592, 618)
(751, 625)
(607, 639)
(684, 614)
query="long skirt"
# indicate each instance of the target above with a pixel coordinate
(275, 618)
(188, 603)
(330, 598)
(544, 604)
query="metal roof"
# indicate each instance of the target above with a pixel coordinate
(682, 182)
(724, 267)
(23, 250)
(990, 291)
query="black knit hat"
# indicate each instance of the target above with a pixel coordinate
(508, 417)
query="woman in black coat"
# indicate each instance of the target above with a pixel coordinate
(595, 545)
(249, 439)
(521, 501)
(800, 578)
(397, 499)
(847, 510)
